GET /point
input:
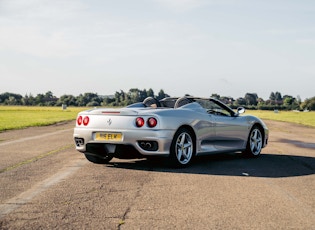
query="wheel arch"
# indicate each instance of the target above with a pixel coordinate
(193, 133)
(177, 158)
(261, 128)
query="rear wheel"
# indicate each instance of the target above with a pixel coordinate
(254, 142)
(182, 148)
(99, 159)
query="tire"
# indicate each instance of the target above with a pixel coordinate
(254, 142)
(182, 148)
(98, 160)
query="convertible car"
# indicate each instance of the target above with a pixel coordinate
(176, 128)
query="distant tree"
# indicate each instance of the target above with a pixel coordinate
(288, 100)
(298, 101)
(28, 100)
(50, 99)
(272, 96)
(108, 101)
(134, 95)
(10, 99)
(275, 98)
(93, 104)
(278, 96)
(270, 102)
(150, 93)
(89, 99)
(240, 101)
(215, 96)
(227, 100)
(308, 104)
(39, 99)
(121, 98)
(49, 95)
(251, 98)
(143, 94)
(68, 100)
(260, 100)
(161, 95)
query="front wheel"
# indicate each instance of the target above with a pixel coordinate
(182, 148)
(98, 160)
(254, 142)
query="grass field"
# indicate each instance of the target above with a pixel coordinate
(303, 118)
(17, 117)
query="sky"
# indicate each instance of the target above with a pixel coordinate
(196, 47)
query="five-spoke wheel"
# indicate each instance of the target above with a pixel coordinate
(182, 148)
(254, 143)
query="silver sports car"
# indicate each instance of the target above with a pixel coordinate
(178, 128)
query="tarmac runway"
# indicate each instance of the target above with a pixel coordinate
(47, 184)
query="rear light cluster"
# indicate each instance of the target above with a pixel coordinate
(151, 122)
(83, 120)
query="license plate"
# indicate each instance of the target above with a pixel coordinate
(103, 136)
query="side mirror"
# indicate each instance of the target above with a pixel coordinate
(240, 110)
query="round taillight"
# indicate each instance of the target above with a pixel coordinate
(152, 122)
(79, 120)
(86, 120)
(139, 122)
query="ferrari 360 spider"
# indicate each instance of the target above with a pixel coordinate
(176, 128)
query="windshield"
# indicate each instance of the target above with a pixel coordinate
(213, 108)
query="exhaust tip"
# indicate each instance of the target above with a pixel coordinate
(78, 141)
(148, 145)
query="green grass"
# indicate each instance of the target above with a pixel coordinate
(17, 117)
(303, 118)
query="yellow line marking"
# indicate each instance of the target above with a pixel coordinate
(35, 158)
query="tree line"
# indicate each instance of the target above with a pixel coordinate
(121, 98)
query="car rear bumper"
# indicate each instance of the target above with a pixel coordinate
(146, 142)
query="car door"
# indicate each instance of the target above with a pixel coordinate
(205, 127)
(223, 129)
(231, 132)
(230, 129)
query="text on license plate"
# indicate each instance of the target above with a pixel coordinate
(102, 136)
